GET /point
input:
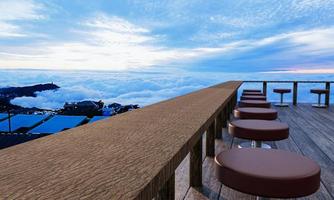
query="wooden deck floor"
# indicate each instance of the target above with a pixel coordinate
(311, 134)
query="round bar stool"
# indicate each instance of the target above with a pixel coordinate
(250, 97)
(253, 93)
(319, 92)
(255, 113)
(258, 131)
(252, 90)
(268, 173)
(254, 103)
(282, 92)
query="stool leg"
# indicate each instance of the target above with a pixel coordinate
(319, 105)
(281, 103)
(232, 142)
(261, 198)
(281, 98)
(256, 144)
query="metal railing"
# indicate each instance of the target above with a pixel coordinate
(327, 85)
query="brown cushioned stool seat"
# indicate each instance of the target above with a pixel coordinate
(254, 103)
(255, 113)
(253, 94)
(259, 130)
(251, 97)
(268, 173)
(252, 90)
(282, 92)
(319, 92)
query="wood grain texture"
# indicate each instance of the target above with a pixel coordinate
(327, 97)
(295, 93)
(129, 156)
(210, 140)
(311, 135)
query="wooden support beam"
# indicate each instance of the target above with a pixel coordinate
(295, 92)
(228, 111)
(195, 171)
(224, 117)
(328, 87)
(218, 128)
(264, 88)
(168, 191)
(210, 141)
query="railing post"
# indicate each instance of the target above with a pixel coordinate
(328, 87)
(224, 117)
(168, 191)
(234, 100)
(264, 88)
(218, 129)
(210, 141)
(195, 171)
(228, 111)
(295, 92)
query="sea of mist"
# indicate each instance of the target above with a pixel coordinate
(143, 88)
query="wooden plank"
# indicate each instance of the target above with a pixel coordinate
(321, 120)
(310, 149)
(327, 98)
(195, 172)
(218, 128)
(290, 145)
(298, 142)
(314, 130)
(210, 141)
(264, 88)
(131, 155)
(211, 186)
(182, 179)
(295, 93)
(168, 191)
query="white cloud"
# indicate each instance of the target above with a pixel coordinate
(106, 43)
(12, 11)
(10, 30)
(135, 88)
(123, 87)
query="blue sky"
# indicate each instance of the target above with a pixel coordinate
(190, 35)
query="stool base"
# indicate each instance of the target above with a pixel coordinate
(319, 105)
(253, 144)
(261, 198)
(281, 104)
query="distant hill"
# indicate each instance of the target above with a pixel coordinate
(28, 91)
(9, 93)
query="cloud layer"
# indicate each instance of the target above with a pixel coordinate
(141, 88)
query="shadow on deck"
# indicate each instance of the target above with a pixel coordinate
(311, 134)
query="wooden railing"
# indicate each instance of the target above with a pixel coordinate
(129, 156)
(295, 88)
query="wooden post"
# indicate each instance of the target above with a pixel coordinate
(295, 92)
(218, 129)
(228, 110)
(195, 172)
(224, 118)
(210, 141)
(328, 87)
(168, 191)
(264, 88)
